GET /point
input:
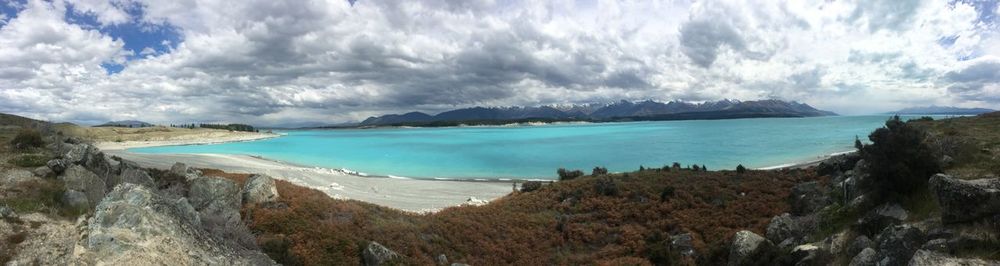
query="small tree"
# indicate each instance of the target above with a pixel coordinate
(695, 167)
(642, 168)
(899, 160)
(676, 166)
(568, 175)
(599, 171)
(740, 169)
(704, 168)
(857, 143)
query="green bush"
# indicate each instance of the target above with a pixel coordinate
(599, 171)
(568, 175)
(27, 138)
(530, 186)
(900, 162)
(740, 169)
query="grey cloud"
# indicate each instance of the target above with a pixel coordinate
(702, 39)
(977, 82)
(890, 14)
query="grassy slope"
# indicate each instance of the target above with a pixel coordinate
(974, 142)
(565, 223)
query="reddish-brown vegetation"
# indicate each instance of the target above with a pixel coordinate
(569, 222)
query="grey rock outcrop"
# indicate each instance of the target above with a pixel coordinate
(860, 243)
(57, 165)
(876, 220)
(966, 200)
(807, 198)
(896, 244)
(866, 257)
(182, 170)
(259, 189)
(79, 180)
(782, 227)
(131, 175)
(135, 226)
(375, 255)
(215, 198)
(744, 244)
(43, 172)
(930, 258)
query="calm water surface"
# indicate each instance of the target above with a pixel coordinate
(537, 151)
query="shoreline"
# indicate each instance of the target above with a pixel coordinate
(806, 163)
(197, 140)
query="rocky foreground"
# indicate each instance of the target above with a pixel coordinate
(139, 217)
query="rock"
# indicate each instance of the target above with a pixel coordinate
(937, 245)
(7, 213)
(473, 201)
(860, 243)
(782, 227)
(182, 170)
(896, 244)
(259, 189)
(43, 172)
(131, 175)
(78, 179)
(744, 244)
(104, 166)
(442, 259)
(12, 177)
(683, 243)
(811, 255)
(76, 199)
(866, 257)
(946, 161)
(876, 220)
(966, 200)
(215, 198)
(76, 154)
(57, 165)
(375, 254)
(135, 226)
(931, 258)
(807, 198)
(838, 164)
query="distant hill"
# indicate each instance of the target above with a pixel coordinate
(617, 111)
(125, 123)
(14, 120)
(941, 110)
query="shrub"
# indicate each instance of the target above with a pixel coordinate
(530, 186)
(27, 138)
(740, 169)
(599, 171)
(704, 168)
(676, 166)
(666, 193)
(568, 175)
(900, 162)
(606, 187)
(641, 168)
(695, 167)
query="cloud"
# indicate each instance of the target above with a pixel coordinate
(979, 81)
(280, 62)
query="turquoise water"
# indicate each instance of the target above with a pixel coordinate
(536, 152)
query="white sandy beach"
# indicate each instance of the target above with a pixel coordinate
(405, 194)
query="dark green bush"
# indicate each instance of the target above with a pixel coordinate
(568, 175)
(27, 138)
(900, 162)
(599, 171)
(740, 169)
(606, 187)
(530, 186)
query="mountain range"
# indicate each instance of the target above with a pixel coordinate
(617, 111)
(941, 110)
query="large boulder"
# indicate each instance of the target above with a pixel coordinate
(57, 165)
(931, 258)
(182, 170)
(860, 243)
(135, 226)
(131, 175)
(966, 200)
(807, 198)
(259, 189)
(866, 257)
(375, 255)
(215, 197)
(809, 254)
(104, 166)
(896, 244)
(79, 181)
(782, 227)
(76, 154)
(745, 244)
(876, 220)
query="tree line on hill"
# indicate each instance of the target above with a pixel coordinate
(231, 127)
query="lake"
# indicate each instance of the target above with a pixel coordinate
(535, 152)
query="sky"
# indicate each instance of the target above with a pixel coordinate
(304, 62)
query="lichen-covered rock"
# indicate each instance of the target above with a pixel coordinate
(43, 172)
(57, 165)
(259, 189)
(896, 244)
(782, 227)
(78, 179)
(866, 257)
(131, 175)
(215, 197)
(966, 200)
(375, 255)
(931, 258)
(134, 226)
(744, 244)
(876, 220)
(860, 243)
(182, 170)
(807, 198)
(76, 154)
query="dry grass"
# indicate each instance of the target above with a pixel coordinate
(974, 142)
(157, 133)
(570, 222)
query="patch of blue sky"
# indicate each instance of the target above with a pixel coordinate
(140, 38)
